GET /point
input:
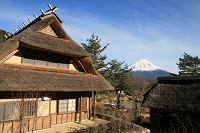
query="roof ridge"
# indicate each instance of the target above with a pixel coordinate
(48, 12)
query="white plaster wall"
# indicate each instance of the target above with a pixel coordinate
(43, 108)
(16, 58)
(53, 106)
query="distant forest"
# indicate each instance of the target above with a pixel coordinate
(2, 33)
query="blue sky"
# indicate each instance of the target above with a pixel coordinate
(159, 31)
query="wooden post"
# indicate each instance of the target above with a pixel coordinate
(80, 107)
(50, 110)
(94, 104)
(57, 111)
(50, 121)
(12, 128)
(3, 127)
(77, 107)
(90, 106)
(49, 106)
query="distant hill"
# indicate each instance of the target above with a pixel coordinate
(147, 70)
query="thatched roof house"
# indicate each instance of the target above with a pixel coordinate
(46, 34)
(174, 98)
(42, 59)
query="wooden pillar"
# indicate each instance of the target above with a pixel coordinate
(50, 121)
(90, 105)
(94, 105)
(80, 107)
(49, 106)
(50, 110)
(77, 107)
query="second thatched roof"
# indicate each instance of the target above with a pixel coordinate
(178, 93)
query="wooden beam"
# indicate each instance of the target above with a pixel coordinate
(80, 65)
(88, 66)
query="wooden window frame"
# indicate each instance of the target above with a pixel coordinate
(66, 105)
(12, 113)
(32, 111)
(2, 114)
(59, 62)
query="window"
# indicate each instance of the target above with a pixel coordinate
(63, 62)
(53, 61)
(30, 108)
(28, 57)
(71, 104)
(40, 59)
(67, 105)
(9, 110)
(63, 105)
(1, 111)
(46, 59)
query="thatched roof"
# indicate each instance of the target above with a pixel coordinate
(31, 37)
(180, 93)
(21, 77)
(32, 78)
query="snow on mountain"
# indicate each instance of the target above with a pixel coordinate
(143, 65)
(146, 69)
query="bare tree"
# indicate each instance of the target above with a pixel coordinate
(28, 107)
(136, 87)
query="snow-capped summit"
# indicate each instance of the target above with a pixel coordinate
(146, 69)
(143, 65)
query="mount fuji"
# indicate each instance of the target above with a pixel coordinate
(147, 70)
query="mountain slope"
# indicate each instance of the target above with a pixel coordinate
(146, 69)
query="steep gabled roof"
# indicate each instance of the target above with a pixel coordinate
(31, 37)
(46, 34)
(179, 93)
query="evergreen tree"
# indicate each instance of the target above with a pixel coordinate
(115, 74)
(113, 71)
(189, 65)
(95, 50)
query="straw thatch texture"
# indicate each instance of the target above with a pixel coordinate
(26, 78)
(175, 93)
(32, 37)
(32, 78)
(42, 41)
